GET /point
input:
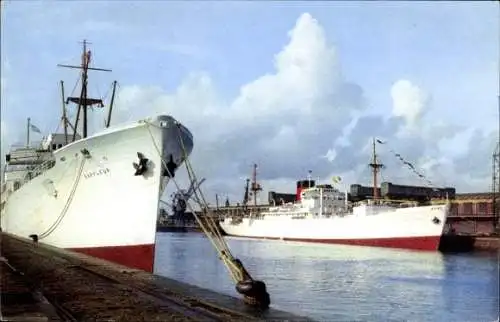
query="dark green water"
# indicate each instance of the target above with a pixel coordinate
(344, 283)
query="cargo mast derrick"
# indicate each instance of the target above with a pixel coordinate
(256, 187)
(83, 101)
(495, 185)
(376, 166)
(246, 195)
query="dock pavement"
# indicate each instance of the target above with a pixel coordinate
(44, 283)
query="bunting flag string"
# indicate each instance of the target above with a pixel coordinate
(408, 164)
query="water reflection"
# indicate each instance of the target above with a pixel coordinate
(344, 283)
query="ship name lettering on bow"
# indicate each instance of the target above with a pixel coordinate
(91, 174)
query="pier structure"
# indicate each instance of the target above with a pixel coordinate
(44, 283)
(473, 214)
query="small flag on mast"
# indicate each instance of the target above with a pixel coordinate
(34, 128)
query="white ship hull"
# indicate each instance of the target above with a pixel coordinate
(417, 228)
(101, 207)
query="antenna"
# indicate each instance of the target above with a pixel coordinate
(376, 168)
(83, 101)
(28, 133)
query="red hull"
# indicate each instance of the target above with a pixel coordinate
(135, 256)
(416, 243)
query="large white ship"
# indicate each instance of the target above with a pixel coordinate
(97, 194)
(323, 214)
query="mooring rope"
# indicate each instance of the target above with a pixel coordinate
(212, 232)
(64, 211)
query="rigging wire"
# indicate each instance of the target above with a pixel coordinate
(76, 84)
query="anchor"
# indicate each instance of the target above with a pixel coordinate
(141, 167)
(171, 166)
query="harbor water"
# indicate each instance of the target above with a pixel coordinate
(344, 283)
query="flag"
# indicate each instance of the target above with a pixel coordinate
(336, 179)
(35, 129)
(380, 142)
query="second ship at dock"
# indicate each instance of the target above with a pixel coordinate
(323, 214)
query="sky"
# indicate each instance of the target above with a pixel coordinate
(291, 86)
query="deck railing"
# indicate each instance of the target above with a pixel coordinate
(46, 165)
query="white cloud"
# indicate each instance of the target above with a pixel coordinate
(409, 101)
(331, 154)
(296, 107)
(304, 116)
(286, 120)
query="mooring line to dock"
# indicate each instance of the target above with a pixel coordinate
(254, 291)
(64, 211)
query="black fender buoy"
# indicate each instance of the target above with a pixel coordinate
(436, 220)
(254, 293)
(245, 287)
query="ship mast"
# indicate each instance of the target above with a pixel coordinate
(245, 196)
(256, 187)
(108, 120)
(83, 101)
(376, 169)
(64, 117)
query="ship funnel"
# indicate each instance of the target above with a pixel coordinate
(303, 184)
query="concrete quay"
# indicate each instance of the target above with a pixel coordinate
(43, 283)
(469, 243)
